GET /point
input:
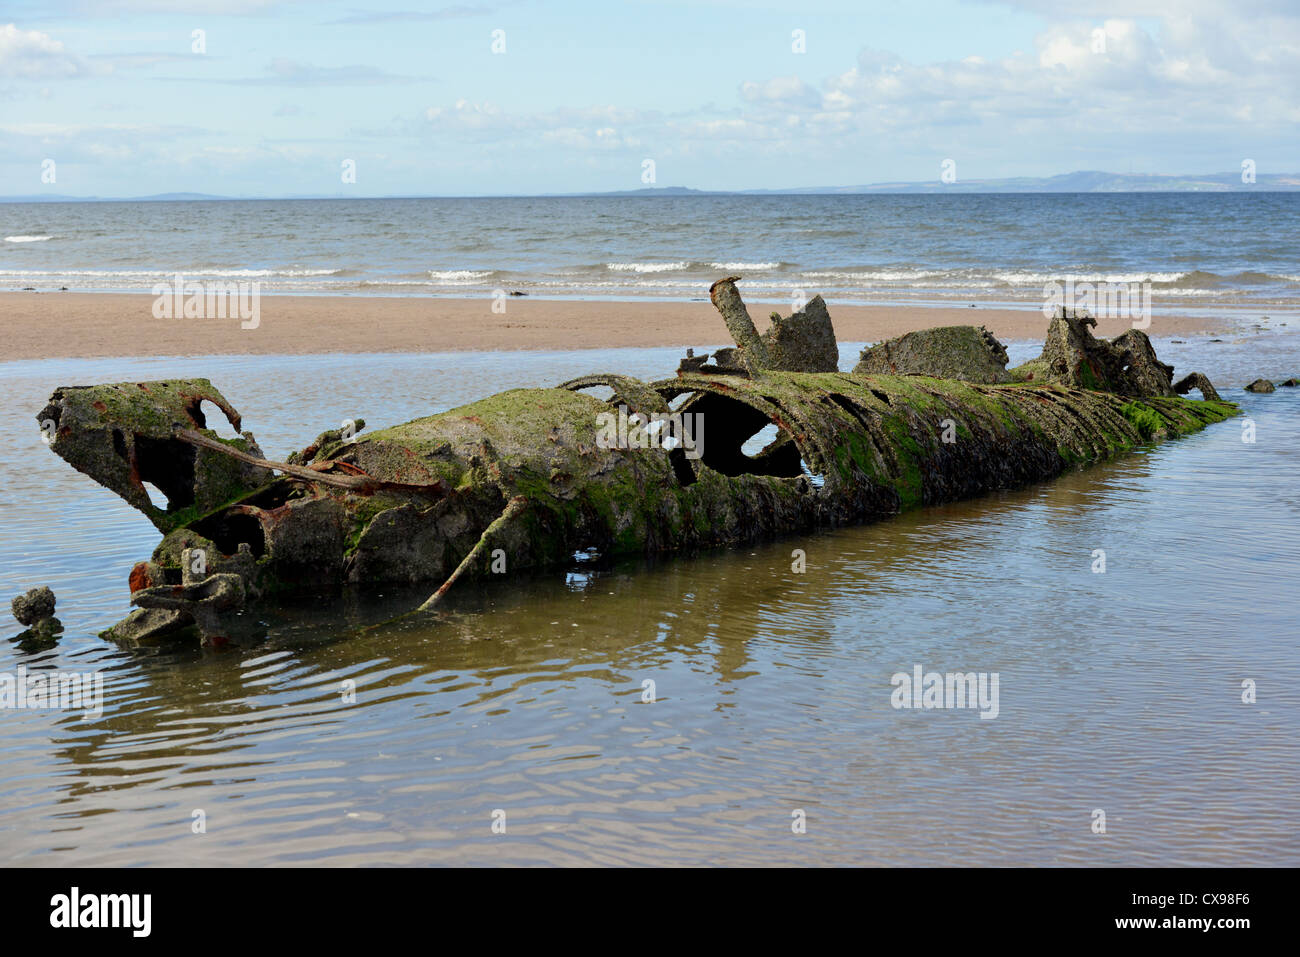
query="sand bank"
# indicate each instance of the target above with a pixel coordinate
(71, 324)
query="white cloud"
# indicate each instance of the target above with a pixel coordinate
(596, 127)
(1197, 86)
(1135, 80)
(31, 55)
(789, 90)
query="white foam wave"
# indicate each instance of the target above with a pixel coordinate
(455, 275)
(27, 239)
(647, 267)
(878, 275)
(744, 266)
(168, 273)
(1035, 278)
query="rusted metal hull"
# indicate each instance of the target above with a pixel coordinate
(527, 478)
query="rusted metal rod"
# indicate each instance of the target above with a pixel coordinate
(513, 508)
(362, 484)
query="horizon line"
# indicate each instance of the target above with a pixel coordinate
(1221, 182)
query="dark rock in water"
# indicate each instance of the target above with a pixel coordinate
(1261, 385)
(35, 609)
(1290, 383)
(804, 342)
(32, 606)
(970, 353)
(1196, 380)
(47, 629)
(1177, 342)
(40, 637)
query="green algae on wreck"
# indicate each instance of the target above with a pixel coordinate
(411, 502)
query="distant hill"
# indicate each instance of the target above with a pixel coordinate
(1082, 181)
(156, 197)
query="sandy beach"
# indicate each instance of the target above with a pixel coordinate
(71, 324)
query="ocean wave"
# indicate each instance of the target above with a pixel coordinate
(744, 266)
(648, 267)
(1038, 278)
(455, 275)
(879, 275)
(868, 276)
(27, 239)
(168, 273)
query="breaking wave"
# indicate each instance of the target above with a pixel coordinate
(648, 267)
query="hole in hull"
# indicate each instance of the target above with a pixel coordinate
(228, 530)
(169, 466)
(733, 427)
(156, 498)
(216, 421)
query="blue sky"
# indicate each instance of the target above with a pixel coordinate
(714, 93)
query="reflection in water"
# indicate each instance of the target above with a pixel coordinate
(1119, 691)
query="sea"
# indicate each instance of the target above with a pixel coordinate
(1196, 249)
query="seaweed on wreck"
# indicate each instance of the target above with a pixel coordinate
(530, 473)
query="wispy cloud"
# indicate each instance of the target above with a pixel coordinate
(140, 60)
(285, 72)
(32, 55)
(360, 17)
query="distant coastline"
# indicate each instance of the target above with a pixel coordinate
(1080, 181)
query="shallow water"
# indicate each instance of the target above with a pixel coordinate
(1118, 691)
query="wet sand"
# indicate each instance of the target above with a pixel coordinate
(73, 325)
